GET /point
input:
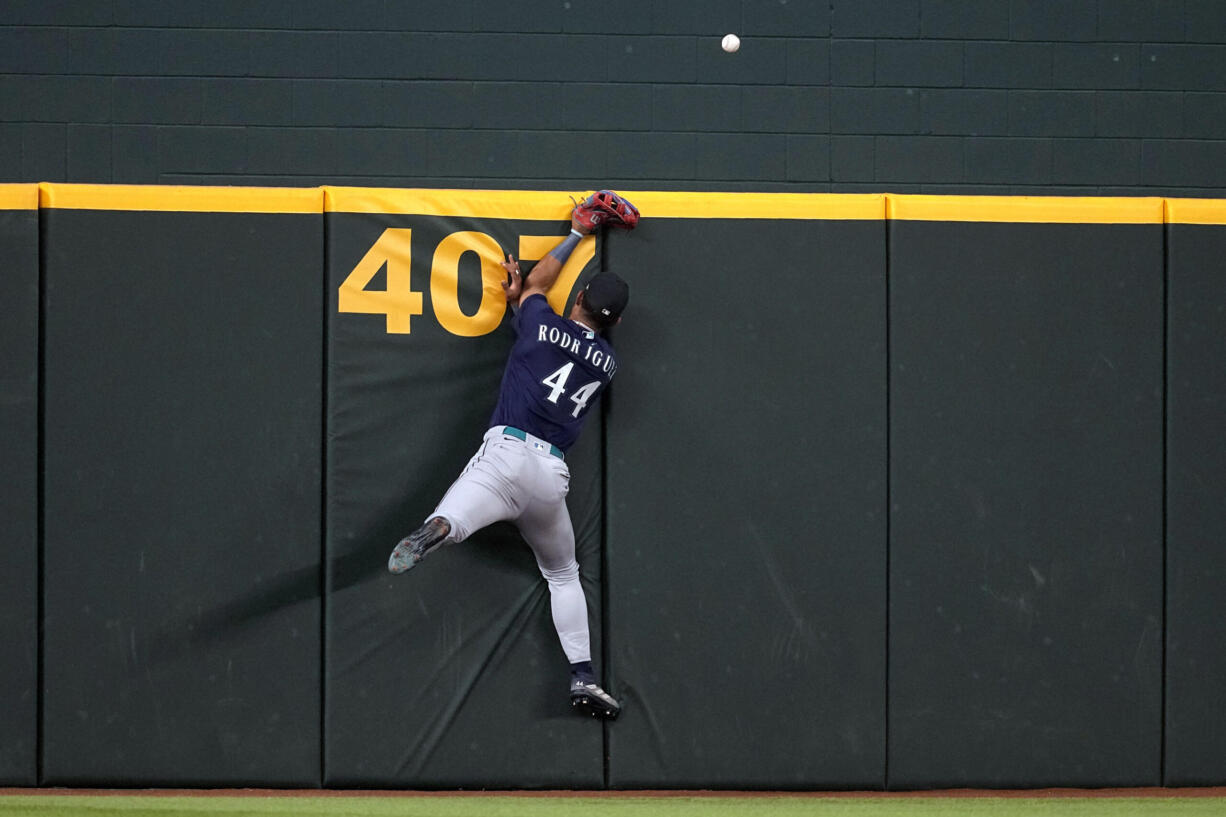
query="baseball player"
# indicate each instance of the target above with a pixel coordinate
(556, 372)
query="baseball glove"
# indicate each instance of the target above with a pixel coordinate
(604, 207)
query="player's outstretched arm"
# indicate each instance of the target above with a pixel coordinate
(546, 271)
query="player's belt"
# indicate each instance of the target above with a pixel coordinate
(523, 435)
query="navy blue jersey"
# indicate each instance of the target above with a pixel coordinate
(556, 372)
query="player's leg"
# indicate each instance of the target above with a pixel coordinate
(484, 493)
(546, 527)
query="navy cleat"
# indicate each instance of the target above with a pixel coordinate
(418, 544)
(589, 699)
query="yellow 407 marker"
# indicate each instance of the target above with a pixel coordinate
(400, 303)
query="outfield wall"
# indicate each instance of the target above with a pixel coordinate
(891, 492)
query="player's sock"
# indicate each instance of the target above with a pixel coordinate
(582, 671)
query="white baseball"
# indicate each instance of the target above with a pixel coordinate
(730, 43)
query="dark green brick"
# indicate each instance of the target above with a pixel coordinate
(201, 149)
(158, 100)
(511, 105)
(1183, 67)
(1204, 115)
(1204, 22)
(429, 15)
(501, 16)
(808, 62)
(1008, 65)
(202, 14)
(135, 154)
(875, 18)
(964, 19)
(55, 13)
(1143, 20)
(964, 111)
(852, 62)
(712, 18)
(339, 103)
(602, 17)
(1096, 65)
(696, 108)
(782, 109)
(107, 51)
(554, 153)
(57, 98)
(1056, 20)
(1184, 163)
(1007, 161)
(808, 158)
(385, 55)
(44, 148)
(1096, 161)
(328, 15)
(296, 54)
(852, 158)
(159, 52)
(1143, 113)
(248, 101)
(539, 57)
(652, 156)
(611, 106)
(382, 151)
(89, 154)
(735, 156)
(10, 152)
(473, 153)
(786, 18)
(33, 50)
(874, 110)
(291, 150)
(915, 63)
(647, 59)
(1051, 113)
(911, 159)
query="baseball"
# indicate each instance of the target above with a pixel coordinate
(730, 43)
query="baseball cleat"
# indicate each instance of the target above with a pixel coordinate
(590, 699)
(418, 544)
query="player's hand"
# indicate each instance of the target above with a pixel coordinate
(514, 284)
(578, 226)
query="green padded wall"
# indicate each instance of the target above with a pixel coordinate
(1196, 510)
(450, 675)
(19, 493)
(1026, 504)
(746, 512)
(182, 539)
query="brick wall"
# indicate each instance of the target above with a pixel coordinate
(956, 96)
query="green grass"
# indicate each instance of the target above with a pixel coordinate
(767, 805)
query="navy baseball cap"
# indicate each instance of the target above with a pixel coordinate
(606, 295)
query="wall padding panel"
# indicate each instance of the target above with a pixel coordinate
(450, 675)
(746, 505)
(183, 495)
(1196, 505)
(19, 483)
(1026, 504)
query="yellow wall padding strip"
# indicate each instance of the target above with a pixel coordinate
(1026, 209)
(820, 206)
(555, 205)
(181, 199)
(1196, 211)
(510, 204)
(18, 196)
(507, 204)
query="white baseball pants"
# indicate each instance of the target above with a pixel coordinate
(522, 482)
